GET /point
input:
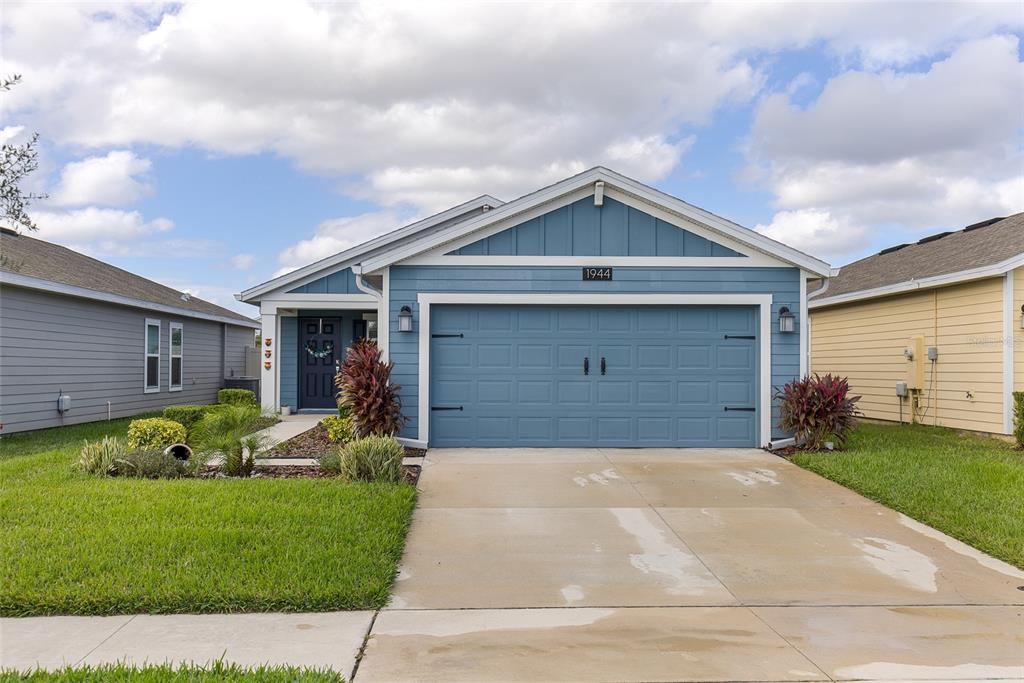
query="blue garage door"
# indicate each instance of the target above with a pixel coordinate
(561, 376)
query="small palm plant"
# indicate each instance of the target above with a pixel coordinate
(227, 432)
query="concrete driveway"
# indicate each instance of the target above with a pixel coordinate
(672, 565)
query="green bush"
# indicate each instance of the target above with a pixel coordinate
(330, 462)
(339, 429)
(148, 464)
(373, 459)
(155, 433)
(1018, 417)
(98, 457)
(187, 416)
(236, 397)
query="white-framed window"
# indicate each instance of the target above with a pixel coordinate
(152, 371)
(177, 348)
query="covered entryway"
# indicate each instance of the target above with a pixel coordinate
(569, 375)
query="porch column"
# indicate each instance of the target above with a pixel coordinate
(268, 376)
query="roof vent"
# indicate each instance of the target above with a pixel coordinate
(889, 250)
(9, 231)
(984, 224)
(932, 238)
(185, 296)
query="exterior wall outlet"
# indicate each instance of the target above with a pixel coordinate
(933, 353)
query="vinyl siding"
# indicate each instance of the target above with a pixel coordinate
(94, 352)
(865, 342)
(408, 281)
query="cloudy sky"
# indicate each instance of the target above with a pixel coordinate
(213, 145)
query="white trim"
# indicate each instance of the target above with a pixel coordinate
(1008, 349)
(980, 273)
(384, 321)
(310, 300)
(18, 280)
(804, 328)
(764, 301)
(146, 355)
(268, 378)
(314, 271)
(616, 185)
(359, 302)
(170, 356)
(755, 261)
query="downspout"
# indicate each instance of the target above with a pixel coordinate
(367, 288)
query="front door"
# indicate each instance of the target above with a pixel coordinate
(320, 349)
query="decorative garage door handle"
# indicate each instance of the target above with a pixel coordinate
(745, 410)
(586, 365)
(446, 407)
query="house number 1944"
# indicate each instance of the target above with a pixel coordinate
(597, 273)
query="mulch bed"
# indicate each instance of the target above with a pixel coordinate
(411, 473)
(314, 443)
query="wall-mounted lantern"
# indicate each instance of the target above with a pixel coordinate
(405, 319)
(787, 321)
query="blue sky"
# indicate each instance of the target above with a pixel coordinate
(210, 148)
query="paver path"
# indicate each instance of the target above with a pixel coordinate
(672, 565)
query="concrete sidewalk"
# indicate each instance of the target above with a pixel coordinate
(323, 640)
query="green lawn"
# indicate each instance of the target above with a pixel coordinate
(219, 673)
(969, 487)
(74, 544)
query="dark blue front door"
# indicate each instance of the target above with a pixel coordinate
(320, 348)
(543, 376)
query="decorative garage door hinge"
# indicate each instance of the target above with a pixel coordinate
(740, 336)
(745, 410)
(441, 336)
(446, 407)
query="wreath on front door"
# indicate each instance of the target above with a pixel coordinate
(322, 353)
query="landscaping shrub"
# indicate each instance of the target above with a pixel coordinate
(224, 432)
(155, 433)
(330, 462)
(816, 409)
(339, 429)
(98, 457)
(1018, 418)
(147, 464)
(366, 390)
(373, 459)
(187, 416)
(236, 397)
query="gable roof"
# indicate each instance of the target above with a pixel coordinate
(30, 262)
(342, 259)
(984, 249)
(418, 244)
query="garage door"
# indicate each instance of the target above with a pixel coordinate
(560, 376)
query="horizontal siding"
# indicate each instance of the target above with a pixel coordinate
(408, 281)
(94, 352)
(865, 342)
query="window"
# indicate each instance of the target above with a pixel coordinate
(176, 353)
(152, 355)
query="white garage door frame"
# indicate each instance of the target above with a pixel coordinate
(763, 301)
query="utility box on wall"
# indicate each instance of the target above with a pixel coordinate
(915, 363)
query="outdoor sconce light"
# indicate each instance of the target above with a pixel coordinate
(405, 319)
(1022, 317)
(787, 321)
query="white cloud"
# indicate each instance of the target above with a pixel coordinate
(922, 151)
(242, 261)
(814, 231)
(338, 234)
(108, 180)
(93, 223)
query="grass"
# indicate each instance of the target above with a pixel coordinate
(967, 486)
(75, 544)
(219, 672)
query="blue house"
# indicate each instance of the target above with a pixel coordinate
(597, 311)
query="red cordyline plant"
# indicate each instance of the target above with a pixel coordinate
(816, 409)
(366, 390)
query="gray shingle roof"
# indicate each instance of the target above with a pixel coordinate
(982, 244)
(36, 258)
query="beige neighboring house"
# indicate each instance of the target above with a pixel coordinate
(939, 315)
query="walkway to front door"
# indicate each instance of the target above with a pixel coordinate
(671, 565)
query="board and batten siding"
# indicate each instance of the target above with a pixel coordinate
(406, 282)
(94, 352)
(865, 341)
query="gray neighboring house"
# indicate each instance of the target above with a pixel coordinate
(115, 344)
